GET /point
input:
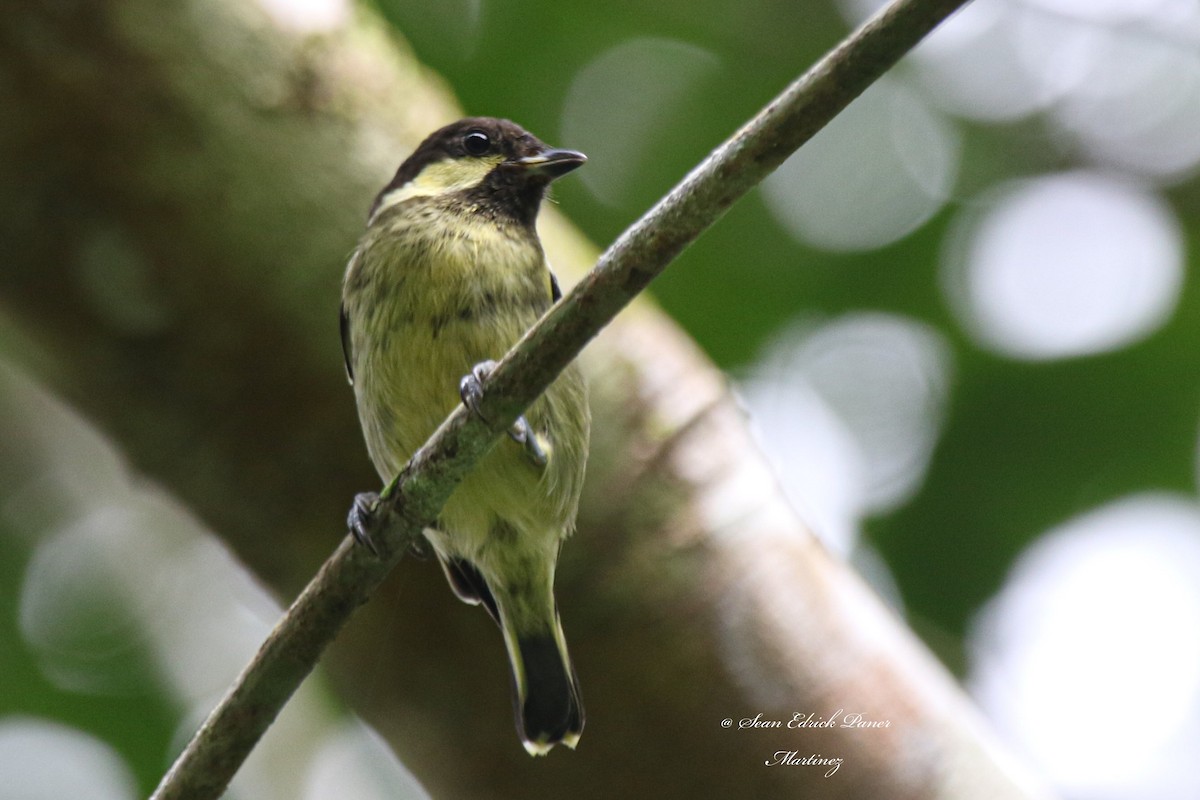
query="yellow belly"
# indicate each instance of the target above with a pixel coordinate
(413, 392)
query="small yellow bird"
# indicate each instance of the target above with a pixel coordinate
(448, 275)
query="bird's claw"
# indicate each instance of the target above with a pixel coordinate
(363, 519)
(363, 522)
(470, 388)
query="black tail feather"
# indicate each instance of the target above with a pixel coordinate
(549, 711)
(546, 696)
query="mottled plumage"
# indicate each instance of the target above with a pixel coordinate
(450, 273)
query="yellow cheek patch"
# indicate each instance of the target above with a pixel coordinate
(442, 177)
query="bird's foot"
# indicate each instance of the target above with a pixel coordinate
(363, 519)
(471, 391)
(470, 388)
(363, 522)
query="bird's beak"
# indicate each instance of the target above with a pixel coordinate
(551, 163)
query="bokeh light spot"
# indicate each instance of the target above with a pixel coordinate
(1088, 659)
(882, 168)
(1139, 108)
(42, 760)
(971, 66)
(1111, 12)
(1065, 265)
(849, 413)
(75, 612)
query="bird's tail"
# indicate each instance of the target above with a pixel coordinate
(545, 690)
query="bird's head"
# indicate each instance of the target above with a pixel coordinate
(493, 165)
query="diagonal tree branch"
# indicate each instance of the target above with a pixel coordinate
(415, 498)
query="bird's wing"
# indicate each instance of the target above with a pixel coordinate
(344, 322)
(469, 584)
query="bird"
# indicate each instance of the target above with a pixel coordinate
(448, 275)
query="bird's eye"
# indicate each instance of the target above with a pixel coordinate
(477, 143)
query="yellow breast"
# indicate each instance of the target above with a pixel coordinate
(434, 289)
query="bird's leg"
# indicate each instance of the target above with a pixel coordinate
(471, 391)
(525, 436)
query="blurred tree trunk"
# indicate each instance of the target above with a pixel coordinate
(180, 185)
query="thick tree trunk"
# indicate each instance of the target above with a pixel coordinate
(179, 187)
